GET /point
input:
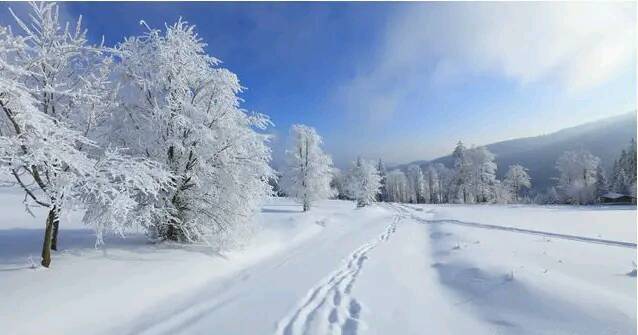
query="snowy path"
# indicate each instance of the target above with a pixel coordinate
(253, 300)
(329, 308)
(533, 232)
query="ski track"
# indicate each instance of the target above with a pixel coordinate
(527, 231)
(329, 308)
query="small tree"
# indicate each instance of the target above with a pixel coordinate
(516, 179)
(461, 190)
(363, 182)
(416, 183)
(444, 183)
(577, 176)
(502, 193)
(624, 171)
(383, 193)
(397, 186)
(309, 170)
(483, 173)
(602, 184)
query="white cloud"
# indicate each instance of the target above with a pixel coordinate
(575, 45)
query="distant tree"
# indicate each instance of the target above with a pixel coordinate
(430, 179)
(397, 186)
(502, 193)
(338, 184)
(416, 183)
(624, 171)
(483, 173)
(516, 179)
(363, 182)
(425, 192)
(274, 182)
(383, 193)
(309, 170)
(445, 183)
(602, 185)
(577, 179)
(552, 196)
(461, 190)
(620, 180)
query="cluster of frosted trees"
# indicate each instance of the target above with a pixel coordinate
(309, 175)
(582, 179)
(623, 173)
(146, 133)
(472, 179)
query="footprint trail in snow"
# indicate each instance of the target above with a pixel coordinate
(329, 308)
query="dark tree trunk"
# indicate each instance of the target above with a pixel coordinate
(171, 232)
(56, 224)
(46, 245)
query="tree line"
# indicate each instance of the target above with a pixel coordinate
(471, 179)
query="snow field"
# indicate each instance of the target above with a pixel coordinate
(385, 269)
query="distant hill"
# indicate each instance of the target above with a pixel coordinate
(604, 138)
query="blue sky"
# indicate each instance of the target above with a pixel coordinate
(406, 81)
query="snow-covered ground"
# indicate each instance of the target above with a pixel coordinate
(386, 269)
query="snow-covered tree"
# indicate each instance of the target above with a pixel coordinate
(338, 183)
(624, 171)
(483, 173)
(577, 176)
(363, 182)
(503, 194)
(461, 190)
(383, 193)
(552, 196)
(431, 178)
(444, 183)
(416, 183)
(602, 184)
(55, 94)
(620, 180)
(516, 179)
(309, 170)
(182, 111)
(397, 186)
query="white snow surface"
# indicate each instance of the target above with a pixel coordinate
(384, 269)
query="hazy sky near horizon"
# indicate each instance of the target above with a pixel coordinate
(406, 81)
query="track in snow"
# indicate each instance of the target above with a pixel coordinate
(531, 232)
(329, 307)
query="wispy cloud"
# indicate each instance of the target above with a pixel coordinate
(576, 46)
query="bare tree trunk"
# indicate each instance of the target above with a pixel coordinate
(46, 245)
